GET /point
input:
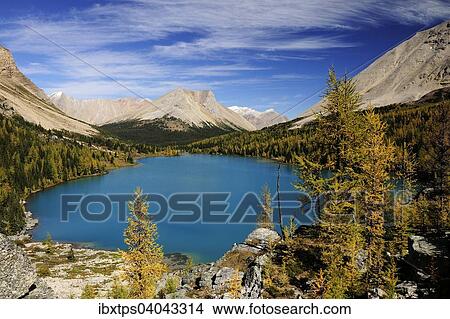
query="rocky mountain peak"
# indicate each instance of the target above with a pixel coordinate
(201, 96)
(57, 95)
(198, 108)
(8, 66)
(23, 97)
(259, 119)
(205, 97)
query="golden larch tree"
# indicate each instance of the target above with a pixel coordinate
(265, 217)
(331, 179)
(376, 160)
(144, 259)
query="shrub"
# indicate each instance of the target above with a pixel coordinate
(89, 292)
(118, 290)
(43, 270)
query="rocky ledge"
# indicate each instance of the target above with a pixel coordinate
(240, 270)
(68, 269)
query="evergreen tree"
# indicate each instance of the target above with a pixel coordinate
(144, 259)
(331, 181)
(319, 285)
(118, 290)
(265, 218)
(376, 159)
(89, 292)
(437, 145)
(405, 207)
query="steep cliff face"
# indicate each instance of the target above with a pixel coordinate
(8, 69)
(407, 72)
(21, 96)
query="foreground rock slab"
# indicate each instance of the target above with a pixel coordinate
(18, 276)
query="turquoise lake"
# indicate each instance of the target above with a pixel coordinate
(205, 242)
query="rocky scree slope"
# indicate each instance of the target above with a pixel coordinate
(409, 71)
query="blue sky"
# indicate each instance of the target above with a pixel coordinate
(262, 54)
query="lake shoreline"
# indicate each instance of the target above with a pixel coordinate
(31, 222)
(196, 172)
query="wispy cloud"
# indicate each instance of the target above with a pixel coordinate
(36, 68)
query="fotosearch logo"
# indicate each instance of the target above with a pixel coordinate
(203, 207)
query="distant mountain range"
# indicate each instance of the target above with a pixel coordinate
(179, 116)
(405, 73)
(198, 108)
(18, 95)
(260, 119)
(194, 108)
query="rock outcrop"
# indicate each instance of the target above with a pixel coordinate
(246, 260)
(253, 281)
(424, 270)
(262, 238)
(18, 277)
(407, 290)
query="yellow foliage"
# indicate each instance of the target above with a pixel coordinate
(89, 292)
(235, 286)
(144, 259)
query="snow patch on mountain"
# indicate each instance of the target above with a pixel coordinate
(259, 119)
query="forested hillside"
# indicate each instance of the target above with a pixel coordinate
(162, 132)
(418, 125)
(33, 158)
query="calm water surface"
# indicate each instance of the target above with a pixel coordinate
(164, 175)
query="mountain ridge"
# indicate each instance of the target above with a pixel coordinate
(405, 73)
(106, 110)
(195, 108)
(19, 95)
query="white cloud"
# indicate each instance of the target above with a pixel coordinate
(35, 68)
